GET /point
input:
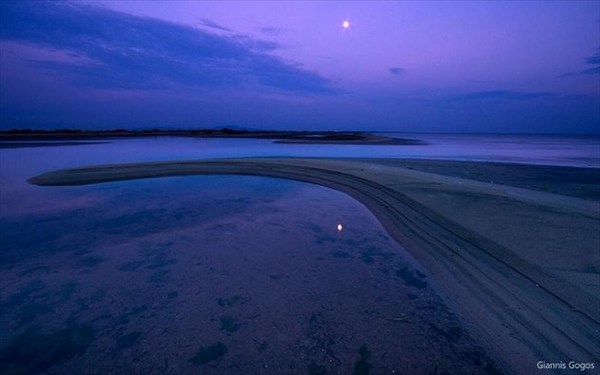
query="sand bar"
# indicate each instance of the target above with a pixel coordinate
(520, 265)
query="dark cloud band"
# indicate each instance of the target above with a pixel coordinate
(129, 52)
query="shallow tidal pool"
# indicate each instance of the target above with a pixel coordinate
(215, 275)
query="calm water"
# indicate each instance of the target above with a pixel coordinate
(581, 151)
(217, 275)
(220, 274)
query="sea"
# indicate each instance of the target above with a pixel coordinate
(226, 274)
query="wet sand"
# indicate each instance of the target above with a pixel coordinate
(520, 264)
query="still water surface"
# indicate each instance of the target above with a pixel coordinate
(217, 275)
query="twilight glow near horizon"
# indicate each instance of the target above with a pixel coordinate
(447, 66)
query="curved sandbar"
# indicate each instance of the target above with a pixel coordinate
(494, 267)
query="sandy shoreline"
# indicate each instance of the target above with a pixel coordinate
(521, 265)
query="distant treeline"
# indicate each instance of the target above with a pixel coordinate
(84, 131)
(23, 134)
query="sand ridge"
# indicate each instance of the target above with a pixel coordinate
(489, 261)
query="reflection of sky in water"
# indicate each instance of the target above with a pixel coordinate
(214, 274)
(553, 150)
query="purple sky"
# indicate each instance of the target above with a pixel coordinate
(471, 66)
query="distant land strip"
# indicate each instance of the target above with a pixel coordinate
(290, 137)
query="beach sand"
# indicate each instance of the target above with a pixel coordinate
(514, 249)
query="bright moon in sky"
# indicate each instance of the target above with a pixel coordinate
(346, 24)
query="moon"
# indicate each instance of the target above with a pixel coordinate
(346, 24)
